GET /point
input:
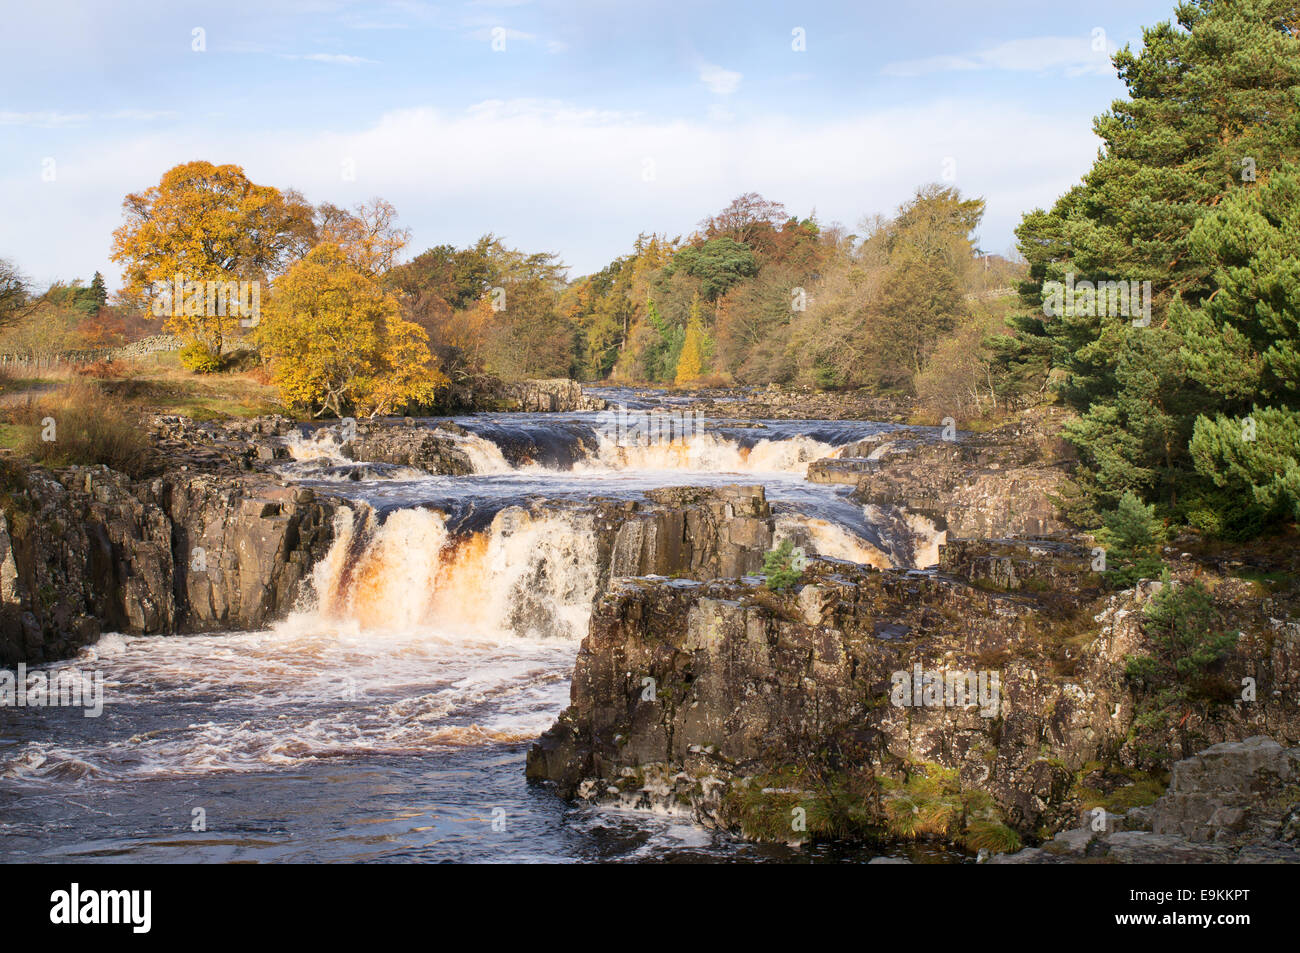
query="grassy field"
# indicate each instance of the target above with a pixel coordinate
(92, 414)
(154, 384)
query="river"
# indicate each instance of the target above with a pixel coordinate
(388, 717)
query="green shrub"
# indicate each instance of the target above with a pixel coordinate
(1182, 623)
(783, 566)
(200, 358)
(1132, 535)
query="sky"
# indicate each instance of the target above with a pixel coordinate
(567, 127)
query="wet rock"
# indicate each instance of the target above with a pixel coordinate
(698, 532)
(89, 550)
(435, 450)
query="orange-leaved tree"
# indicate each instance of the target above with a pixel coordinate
(206, 223)
(338, 344)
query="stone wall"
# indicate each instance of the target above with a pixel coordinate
(555, 395)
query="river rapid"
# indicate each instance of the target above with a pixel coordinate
(387, 718)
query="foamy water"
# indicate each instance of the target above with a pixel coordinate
(388, 716)
(710, 453)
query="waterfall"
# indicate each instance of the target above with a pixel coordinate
(709, 452)
(821, 537)
(528, 575)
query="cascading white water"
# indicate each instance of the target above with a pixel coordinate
(824, 538)
(484, 456)
(926, 540)
(321, 445)
(709, 452)
(420, 649)
(532, 576)
(411, 640)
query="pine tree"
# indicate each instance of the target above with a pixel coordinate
(1243, 346)
(1212, 109)
(98, 292)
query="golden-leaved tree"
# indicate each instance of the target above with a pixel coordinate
(695, 347)
(338, 344)
(204, 222)
(690, 365)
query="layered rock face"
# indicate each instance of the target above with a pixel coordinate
(751, 689)
(746, 681)
(88, 550)
(696, 532)
(994, 484)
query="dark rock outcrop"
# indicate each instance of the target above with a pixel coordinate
(994, 484)
(750, 685)
(439, 450)
(974, 485)
(696, 532)
(88, 550)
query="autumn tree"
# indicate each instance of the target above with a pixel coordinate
(338, 344)
(368, 234)
(14, 298)
(203, 223)
(879, 313)
(690, 365)
(749, 220)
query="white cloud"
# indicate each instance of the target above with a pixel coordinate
(560, 177)
(46, 119)
(340, 59)
(721, 81)
(141, 115)
(1072, 55)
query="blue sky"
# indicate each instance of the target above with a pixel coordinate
(566, 127)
